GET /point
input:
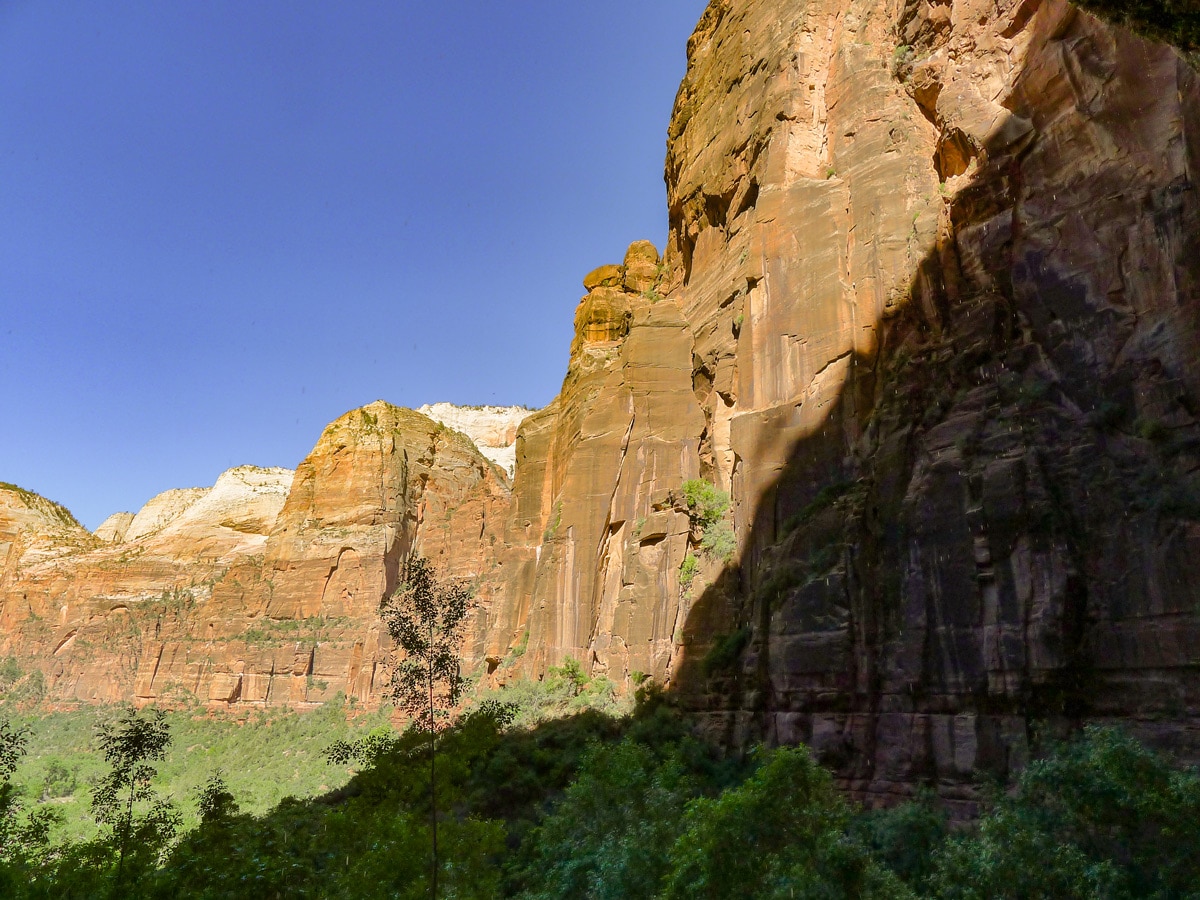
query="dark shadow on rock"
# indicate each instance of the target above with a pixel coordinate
(995, 532)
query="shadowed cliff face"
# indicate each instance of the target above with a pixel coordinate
(974, 508)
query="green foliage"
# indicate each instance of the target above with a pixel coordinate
(270, 754)
(277, 631)
(718, 541)
(1100, 817)
(688, 570)
(780, 834)
(705, 503)
(726, 651)
(570, 674)
(610, 835)
(1153, 430)
(598, 806)
(140, 822)
(10, 673)
(425, 618)
(905, 838)
(518, 649)
(553, 525)
(707, 507)
(556, 696)
(215, 803)
(19, 688)
(59, 781)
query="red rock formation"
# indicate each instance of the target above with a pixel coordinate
(942, 274)
(935, 267)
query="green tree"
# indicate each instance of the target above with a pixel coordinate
(426, 617)
(24, 834)
(12, 747)
(130, 745)
(781, 834)
(610, 836)
(1101, 816)
(906, 837)
(216, 804)
(706, 505)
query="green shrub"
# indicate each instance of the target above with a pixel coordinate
(705, 503)
(726, 651)
(905, 838)
(688, 570)
(1099, 817)
(780, 834)
(570, 674)
(610, 835)
(718, 541)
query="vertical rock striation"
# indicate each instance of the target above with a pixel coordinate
(943, 278)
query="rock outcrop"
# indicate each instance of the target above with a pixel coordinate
(943, 277)
(935, 268)
(492, 428)
(262, 589)
(928, 314)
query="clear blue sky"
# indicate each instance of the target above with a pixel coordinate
(225, 223)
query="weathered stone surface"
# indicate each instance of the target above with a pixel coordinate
(492, 428)
(86, 612)
(945, 297)
(161, 510)
(262, 589)
(33, 529)
(604, 276)
(113, 529)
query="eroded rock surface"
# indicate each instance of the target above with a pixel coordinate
(492, 428)
(943, 279)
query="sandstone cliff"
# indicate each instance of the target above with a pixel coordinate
(493, 429)
(927, 312)
(960, 440)
(261, 589)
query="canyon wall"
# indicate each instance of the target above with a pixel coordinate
(943, 280)
(263, 589)
(927, 313)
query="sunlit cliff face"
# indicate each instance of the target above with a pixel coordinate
(807, 218)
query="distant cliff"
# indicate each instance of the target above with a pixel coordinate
(929, 315)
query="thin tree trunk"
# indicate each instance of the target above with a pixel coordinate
(433, 772)
(124, 841)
